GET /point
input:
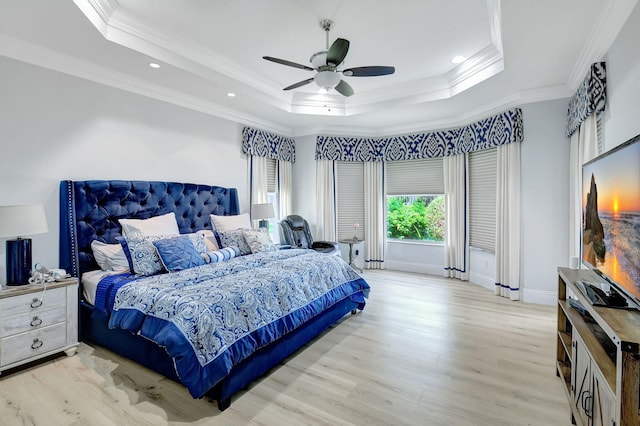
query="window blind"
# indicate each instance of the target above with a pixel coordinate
(272, 175)
(349, 198)
(415, 177)
(482, 199)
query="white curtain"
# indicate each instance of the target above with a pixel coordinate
(456, 249)
(374, 204)
(584, 147)
(285, 188)
(326, 201)
(508, 222)
(258, 180)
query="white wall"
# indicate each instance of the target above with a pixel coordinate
(544, 200)
(621, 119)
(55, 127)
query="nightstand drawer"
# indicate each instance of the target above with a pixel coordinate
(32, 321)
(32, 302)
(31, 344)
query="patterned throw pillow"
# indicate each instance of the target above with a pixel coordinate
(144, 257)
(178, 253)
(234, 238)
(259, 240)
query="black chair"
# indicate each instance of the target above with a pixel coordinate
(294, 231)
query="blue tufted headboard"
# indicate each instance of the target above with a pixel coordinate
(89, 210)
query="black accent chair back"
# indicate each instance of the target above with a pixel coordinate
(295, 232)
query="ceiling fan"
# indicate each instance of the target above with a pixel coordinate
(326, 64)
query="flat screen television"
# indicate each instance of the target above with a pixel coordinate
(611, 218)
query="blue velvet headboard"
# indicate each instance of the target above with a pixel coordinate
(89, 210)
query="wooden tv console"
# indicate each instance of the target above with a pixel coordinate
(598, 356)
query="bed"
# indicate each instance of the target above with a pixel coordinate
(214, 327)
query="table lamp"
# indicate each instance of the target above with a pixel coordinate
(263, 212)
(18, 221)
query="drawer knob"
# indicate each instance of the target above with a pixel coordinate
(36, 303)
(35, 322)
(37, 343)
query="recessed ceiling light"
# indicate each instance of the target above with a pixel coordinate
(231, 95)
(458, 59)
(154, 65)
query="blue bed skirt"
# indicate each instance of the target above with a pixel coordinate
(95, 329)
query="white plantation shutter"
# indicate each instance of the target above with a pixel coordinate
(350, 198)
(272, 175)
(415, 177)
(482, 199)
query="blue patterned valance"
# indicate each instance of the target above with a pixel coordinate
(264, 144)
(590, 97)
(490, 132)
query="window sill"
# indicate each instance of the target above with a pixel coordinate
(415, 242)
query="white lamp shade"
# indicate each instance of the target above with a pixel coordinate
(262, 211)
(18, 221)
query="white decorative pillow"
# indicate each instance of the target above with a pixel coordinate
(158, 225)
(259, 240)
(209, 239)
(229, 223)
(110, 257)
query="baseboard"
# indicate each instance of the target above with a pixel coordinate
(419, 268)
(483, 281)
(539, 297)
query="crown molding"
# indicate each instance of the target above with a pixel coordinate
(518, 99)
(610, 21)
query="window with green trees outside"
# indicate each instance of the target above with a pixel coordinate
(415, 217)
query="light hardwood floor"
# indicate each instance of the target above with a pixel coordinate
(425, 351)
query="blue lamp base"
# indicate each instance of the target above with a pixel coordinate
(263, 223)
(18, 261)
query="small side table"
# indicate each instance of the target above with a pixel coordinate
(351, 242)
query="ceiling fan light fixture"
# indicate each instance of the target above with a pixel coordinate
(327, 79)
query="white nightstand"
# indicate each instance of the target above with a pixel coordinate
(35, 323)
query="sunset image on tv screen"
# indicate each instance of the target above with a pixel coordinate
(611, 216)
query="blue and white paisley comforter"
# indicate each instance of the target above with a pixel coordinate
(212, 317)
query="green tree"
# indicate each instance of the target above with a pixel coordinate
(434, 217)
(415, 218)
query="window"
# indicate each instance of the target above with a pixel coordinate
(350, 199)
(415, 199)
(482, 199)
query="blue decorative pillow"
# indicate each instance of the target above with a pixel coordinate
(234, 238)
(178, 253)
(143, 256)
(223, 254)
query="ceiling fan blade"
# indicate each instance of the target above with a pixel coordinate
(373, 71)
(337, 51)
(287, 63)
(299, 84)
(344, 88)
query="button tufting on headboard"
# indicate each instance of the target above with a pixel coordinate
(90, 210)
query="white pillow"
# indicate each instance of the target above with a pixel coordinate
(110, 257)
(229, 223)
(209, 240)
(159, 225)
